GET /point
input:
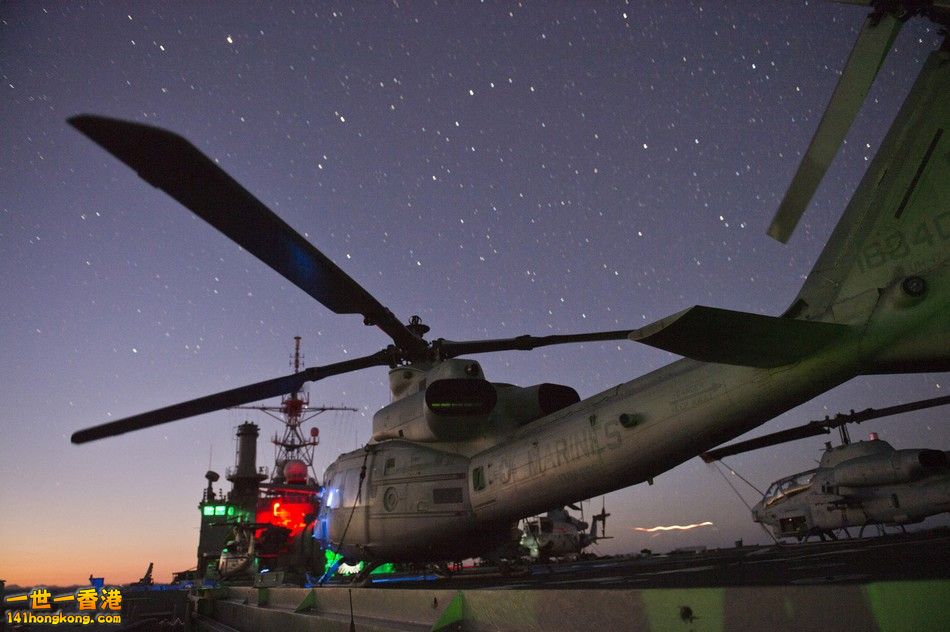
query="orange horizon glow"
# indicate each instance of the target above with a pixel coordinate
(39, 558)
(28, 574)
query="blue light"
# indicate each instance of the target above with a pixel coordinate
(310, 581)
(328, 575)
(321, 532)
(301, 259)
(415, 578)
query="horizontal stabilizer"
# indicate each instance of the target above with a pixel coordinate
(710, 334)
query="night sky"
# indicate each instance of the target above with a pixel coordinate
(498, 169)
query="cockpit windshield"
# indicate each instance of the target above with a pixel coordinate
(788, 486)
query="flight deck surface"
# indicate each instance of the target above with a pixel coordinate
(921, 556)
(899, 582)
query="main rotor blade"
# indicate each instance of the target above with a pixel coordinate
(822, 426)
(876, 413)
(808, 430)
(872, 46)
(169, 162)
(227, 399)
(451, 348)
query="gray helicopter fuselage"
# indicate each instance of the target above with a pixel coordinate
(876, 301)
(856, 485)
(558, 534)
(434, 501)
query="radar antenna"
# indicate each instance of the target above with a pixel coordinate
(294, 410)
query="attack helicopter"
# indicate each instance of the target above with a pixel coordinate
(855, 484)
(456, 460)
(559, 534)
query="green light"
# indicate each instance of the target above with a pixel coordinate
(230, 511)
(331, 559)
(384, 569)
(219, 510)
(207, 510)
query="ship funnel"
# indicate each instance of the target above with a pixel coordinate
(247, 449)
(244, 477)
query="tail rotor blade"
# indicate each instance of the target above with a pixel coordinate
(859, 72)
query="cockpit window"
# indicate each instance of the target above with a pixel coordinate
(788, 486)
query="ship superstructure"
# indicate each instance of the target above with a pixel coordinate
(266, 521)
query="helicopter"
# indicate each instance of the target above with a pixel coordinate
(855, 484)
(455, 460)
(559, 534)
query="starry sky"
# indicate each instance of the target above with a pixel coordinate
(496, 168)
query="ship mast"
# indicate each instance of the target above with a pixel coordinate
(293, 412)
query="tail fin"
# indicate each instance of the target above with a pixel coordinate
(898, 222)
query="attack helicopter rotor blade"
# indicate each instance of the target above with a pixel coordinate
(873, 43)
(227, 399)
(169, 162)
(451, 349)
(877, 413)
(811, 429)
(822, 426)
